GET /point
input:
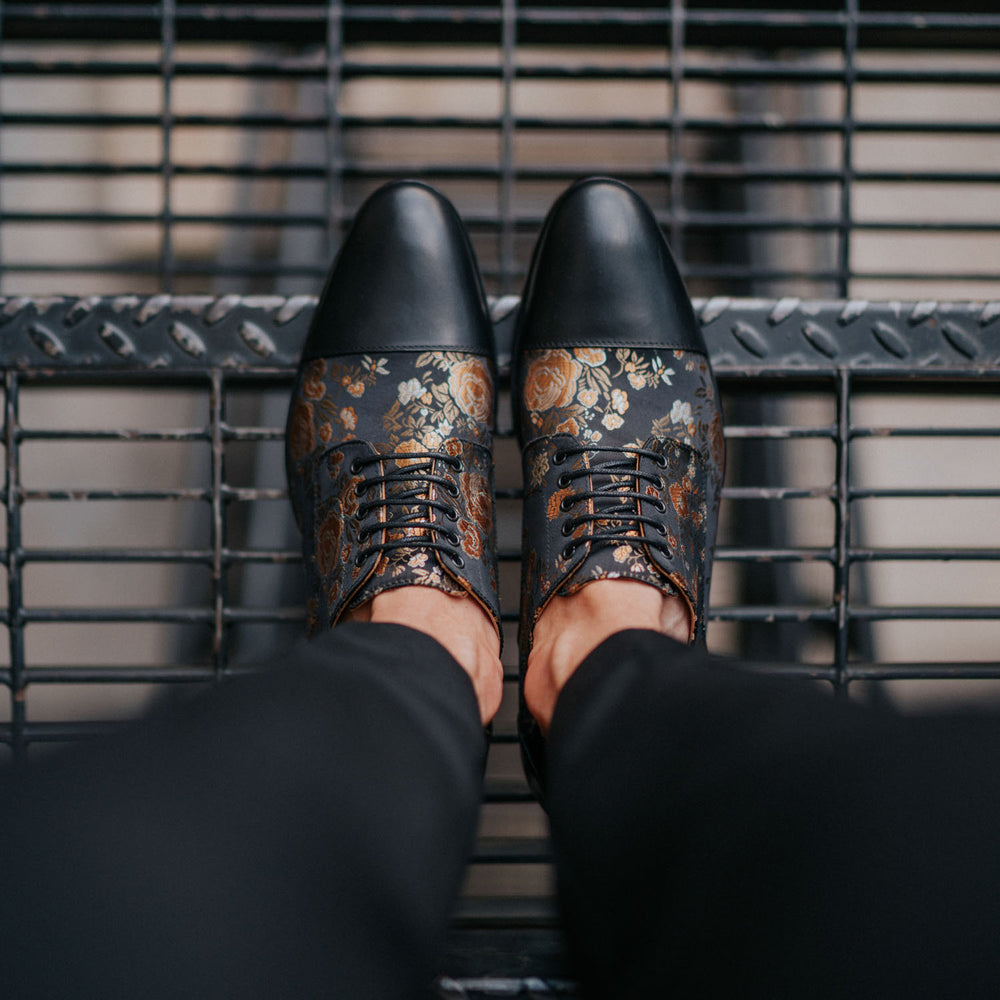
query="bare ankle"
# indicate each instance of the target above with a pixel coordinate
(571, 628)
(457, 622)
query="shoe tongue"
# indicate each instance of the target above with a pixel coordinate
(612, 561)
(615, 558)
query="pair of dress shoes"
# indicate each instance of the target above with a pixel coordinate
(390, 425)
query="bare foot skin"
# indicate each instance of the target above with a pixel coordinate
(457, 622)
(570, 628)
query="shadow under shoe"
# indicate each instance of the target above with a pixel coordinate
(389, 435)
(618, 418)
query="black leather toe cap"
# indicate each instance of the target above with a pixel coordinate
(405, 280)
(602, 274)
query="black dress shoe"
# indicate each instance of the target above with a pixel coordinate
(389, 436)
(618, 416)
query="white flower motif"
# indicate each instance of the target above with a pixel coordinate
(680, 412)
(409, 390)
(666, 374)
(612, 421)
(619, 401)
(378, 367)
(444, 428)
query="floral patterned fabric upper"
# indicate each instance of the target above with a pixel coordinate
(661, 405)
(371, 523)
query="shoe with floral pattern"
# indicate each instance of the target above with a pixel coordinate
(618, 416)
(389, 436)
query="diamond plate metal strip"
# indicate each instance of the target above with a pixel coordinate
(745, 336)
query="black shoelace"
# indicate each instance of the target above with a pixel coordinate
(617, 495)
(408, 504)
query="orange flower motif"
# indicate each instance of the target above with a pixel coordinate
(333, 461)
(478, 500)
(301, 435)
(453, 447)
(349, 497)
(471, 386)
(408, 448)
(349, 418)
(679, 495)
(325, 432)
(552, 511)
(592, 356)
(568, 426)
(328, 543)
(356, 389)
(471, 543)
(551, 380)
(312, 385)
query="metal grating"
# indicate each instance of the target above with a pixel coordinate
(182, 146)
(183, 172)
(850, 359)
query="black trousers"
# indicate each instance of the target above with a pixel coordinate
(302, 833)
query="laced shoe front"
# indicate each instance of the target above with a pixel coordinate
(389, 436)
(618, 418)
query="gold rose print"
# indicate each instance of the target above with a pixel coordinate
(551, 380)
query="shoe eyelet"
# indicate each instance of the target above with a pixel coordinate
(566, 504)
(662, 530)
(454, 537)
(359, 489)
(661, 461)
(660, 505)
(563, 481)
(558, 457)
(567, 528)
(453, 490)
(457, 559)
(456, 464)
(359, 559)
(567, 552)
(356, 466)
(669, 554)
(451, 514)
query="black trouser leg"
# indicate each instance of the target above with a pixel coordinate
(301, 833)
(721, 833)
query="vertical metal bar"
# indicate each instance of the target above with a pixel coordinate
(842, 567)
(506, 250)
(847, 150)
(168, 39)
(217, 408)
(676, 133)
(334, 137)
(15, 609)
(1, 158)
